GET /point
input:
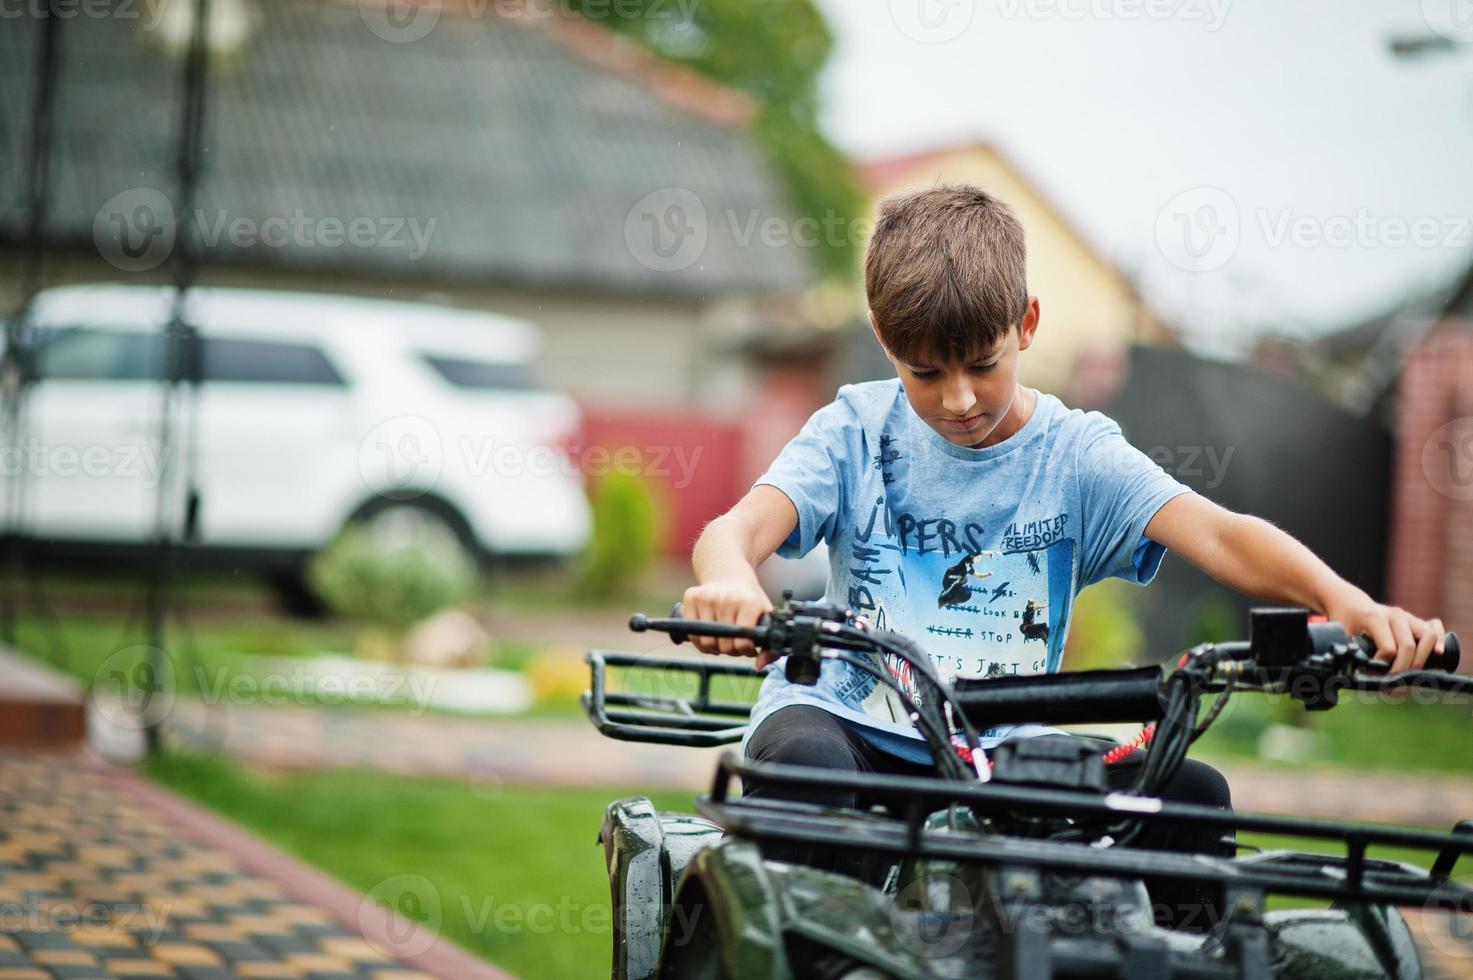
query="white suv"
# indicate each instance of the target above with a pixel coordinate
(314, 411)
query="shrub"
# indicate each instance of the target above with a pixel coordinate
(628, 532)
(1106, 630)
(394, 586)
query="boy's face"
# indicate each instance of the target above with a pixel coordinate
(975, 404)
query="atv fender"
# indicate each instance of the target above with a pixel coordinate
(736, 915)
(645, 852)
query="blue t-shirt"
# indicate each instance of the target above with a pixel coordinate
(976, 554)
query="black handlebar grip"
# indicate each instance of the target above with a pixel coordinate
(640, 623)
(1448, 659)
(675, 613)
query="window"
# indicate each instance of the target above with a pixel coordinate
(270, 362)
(89, 354)
(481, 375)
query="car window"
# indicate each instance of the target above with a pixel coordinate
(89, 354)
(271, 362)
(465, 372)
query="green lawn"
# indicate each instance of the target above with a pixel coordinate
(212, 655)
(1385, 734)
(516, 873)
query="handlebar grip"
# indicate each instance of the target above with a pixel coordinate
(1450, 656)
(1446, 661)
(676, 613)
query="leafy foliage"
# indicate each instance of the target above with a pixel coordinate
(773, 51)
(362, 578)
(1106, 629)
(628, 531)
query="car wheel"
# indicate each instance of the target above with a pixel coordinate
(444, 537)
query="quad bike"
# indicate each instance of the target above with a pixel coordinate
(1010, 864)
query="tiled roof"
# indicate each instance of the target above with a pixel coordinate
(534, 145)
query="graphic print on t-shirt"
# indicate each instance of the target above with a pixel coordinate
(982, 603)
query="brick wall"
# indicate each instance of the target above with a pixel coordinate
(1431, 555)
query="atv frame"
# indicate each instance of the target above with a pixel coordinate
(963, 882)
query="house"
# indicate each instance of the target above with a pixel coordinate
(512, 159)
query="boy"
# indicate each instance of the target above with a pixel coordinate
(966, 511)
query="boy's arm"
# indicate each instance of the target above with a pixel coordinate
(1254, 557)
(725, 560)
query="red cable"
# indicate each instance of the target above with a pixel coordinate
(1121, 751)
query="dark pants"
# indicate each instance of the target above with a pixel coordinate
(803, 735)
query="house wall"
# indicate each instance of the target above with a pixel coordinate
(1085, 304)
(1430, 567)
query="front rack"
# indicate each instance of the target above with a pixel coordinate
(699, 721)
(1351, 876)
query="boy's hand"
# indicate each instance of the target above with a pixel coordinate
(740, 604)
(1400, 637)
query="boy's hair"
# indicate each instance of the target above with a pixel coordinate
(945, 273)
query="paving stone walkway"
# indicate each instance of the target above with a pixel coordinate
(105, 875)
(572, 753)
